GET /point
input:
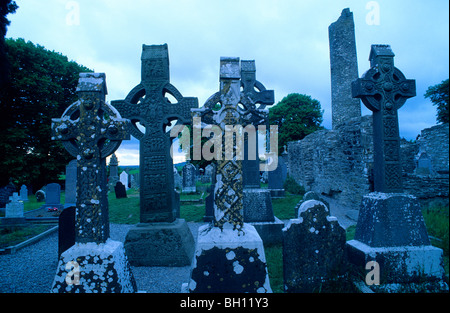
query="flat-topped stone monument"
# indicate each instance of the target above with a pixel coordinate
(90, 130)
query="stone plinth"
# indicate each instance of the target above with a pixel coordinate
(94, 268)
(229, 261)
(392, 232)
(160, 244)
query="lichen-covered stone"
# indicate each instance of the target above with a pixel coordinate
(313, 249)
(94, 268)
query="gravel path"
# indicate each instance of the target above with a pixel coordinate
(33, 268)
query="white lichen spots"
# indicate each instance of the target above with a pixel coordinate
(206, 273)
(251, 259)
(94, 201)
(84, 168)
(88, 220)
(238, 268)
(312, 229)
(317, 251)
(230, 255)
(78, 157)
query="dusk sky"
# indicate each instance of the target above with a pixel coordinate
(288, 39)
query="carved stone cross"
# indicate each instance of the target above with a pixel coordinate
(91, 130)
(227, 108)
(384, 89)
(148, 105)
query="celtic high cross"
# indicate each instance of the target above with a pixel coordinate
(384, 89)
(148, 104)
(91, 130)
(226, 108)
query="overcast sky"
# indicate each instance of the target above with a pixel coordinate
(288, 39)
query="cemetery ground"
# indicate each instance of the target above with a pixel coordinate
(125, 211)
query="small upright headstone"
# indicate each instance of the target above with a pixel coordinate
(276, 182)
(123, 177)
(120, 190)
(23, 193)
(189, 178)
(313, 249)
(71, 184)
(53, 196)
(178, 181)
(113, 172)
(13, 211)
(210, 171)
(40, 195)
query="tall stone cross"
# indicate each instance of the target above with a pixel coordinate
(226, 109)
(148, 105)
(384, 89)
(91, 130)
(253, 93)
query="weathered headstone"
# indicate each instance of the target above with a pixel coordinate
(123, 177)
(275, 184)
(90, 130)
(148, 104)
(53, 196)
(71, 184)
(40, 195)
(113, 177)
(23, 193)
(344, 69)
(189, 178)
(210, 172)
(228, 241)
(13, 211)
(120, 190)
(177, 179)
(390, 229)
(314, 254)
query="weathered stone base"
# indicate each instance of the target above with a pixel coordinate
(160, 244)
(91, 267)
(270, 232)
(407, 264)
(229, 261)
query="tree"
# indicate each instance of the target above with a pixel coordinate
(6, 7)
(41, 86)
(438, 94)
(296, 115)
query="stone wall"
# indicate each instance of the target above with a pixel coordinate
(338, 164)
(335, 163)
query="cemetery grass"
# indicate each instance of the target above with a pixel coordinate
(13, 236)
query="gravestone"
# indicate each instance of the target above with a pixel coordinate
(148, 105)
(390, 228)
(177, 179)
(210, 172)
(113, 172)
(123, 177)
(53, 196)
(313, 250)
(189, 178)
(40, 195)
(66, 229)
(71, 184)
(229, 254)
(23, 193)
(4, 197)
(275, 184)
(344, 69)
(90, 130)
(209, 200)
(13, 212)
(120, 190)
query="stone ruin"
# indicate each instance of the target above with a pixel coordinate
(338, 164)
